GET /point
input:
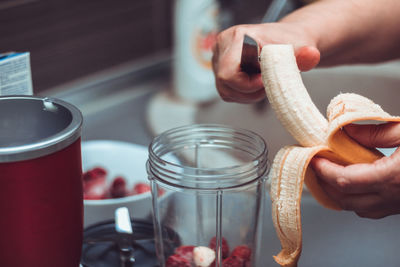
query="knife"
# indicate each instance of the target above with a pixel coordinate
(250, 63)
(250, 59)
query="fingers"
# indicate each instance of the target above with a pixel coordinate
(238, 86)
(369, 205)
(235, 85)
(228, 94)
(350, 193)
(382, 135)
(363, 202)
(307, 57)
(351, 179)
(243, 82)
(231, 82)
(370, 190)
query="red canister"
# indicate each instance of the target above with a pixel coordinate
(41, 200)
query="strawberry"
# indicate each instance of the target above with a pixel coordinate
(140, 188)
(94, 184)
(185, 252)
(225, 246)
(92, 174)
(243, 252)
(177, 261)
(118, 188)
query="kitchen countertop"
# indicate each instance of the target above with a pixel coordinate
(114, 106)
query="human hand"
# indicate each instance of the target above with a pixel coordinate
(234, 85)
(370, 190)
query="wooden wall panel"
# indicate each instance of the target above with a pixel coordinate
(69, 39)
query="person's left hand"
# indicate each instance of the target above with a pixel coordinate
(370, 190)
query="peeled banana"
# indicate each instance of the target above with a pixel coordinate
(315, 134)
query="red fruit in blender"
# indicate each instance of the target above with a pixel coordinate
(118, 188)
(225, 246)
(185, 252)
(233, 262)
(140, 188)
(177, 261)
(243, 252)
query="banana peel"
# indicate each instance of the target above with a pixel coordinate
(316, 135)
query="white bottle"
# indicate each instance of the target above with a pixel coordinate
(195, 30)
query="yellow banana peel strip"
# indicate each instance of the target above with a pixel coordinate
(316, 136)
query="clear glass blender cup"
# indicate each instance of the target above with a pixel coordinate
(208, 186)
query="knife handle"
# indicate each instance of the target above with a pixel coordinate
(249, 61)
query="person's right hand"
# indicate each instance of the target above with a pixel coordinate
(234, 85)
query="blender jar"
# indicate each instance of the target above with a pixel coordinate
(208, 185)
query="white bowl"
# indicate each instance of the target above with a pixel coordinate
(119, 159)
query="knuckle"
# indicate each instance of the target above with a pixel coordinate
(223, 76)
(238, 31)
(219, 39)
(375, 134)
(225, 35)
(342, 184)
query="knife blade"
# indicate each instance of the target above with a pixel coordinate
(123, 227)
(249, 61)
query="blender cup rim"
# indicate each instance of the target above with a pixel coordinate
(189, 177)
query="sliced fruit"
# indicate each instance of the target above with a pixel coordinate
(185, 252)
(225, 246)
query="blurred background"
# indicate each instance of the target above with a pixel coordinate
(121, 61)
(71, 39)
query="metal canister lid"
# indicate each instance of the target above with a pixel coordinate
(32, 127)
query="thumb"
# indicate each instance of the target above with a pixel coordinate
(307, 57)
(375, 135)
